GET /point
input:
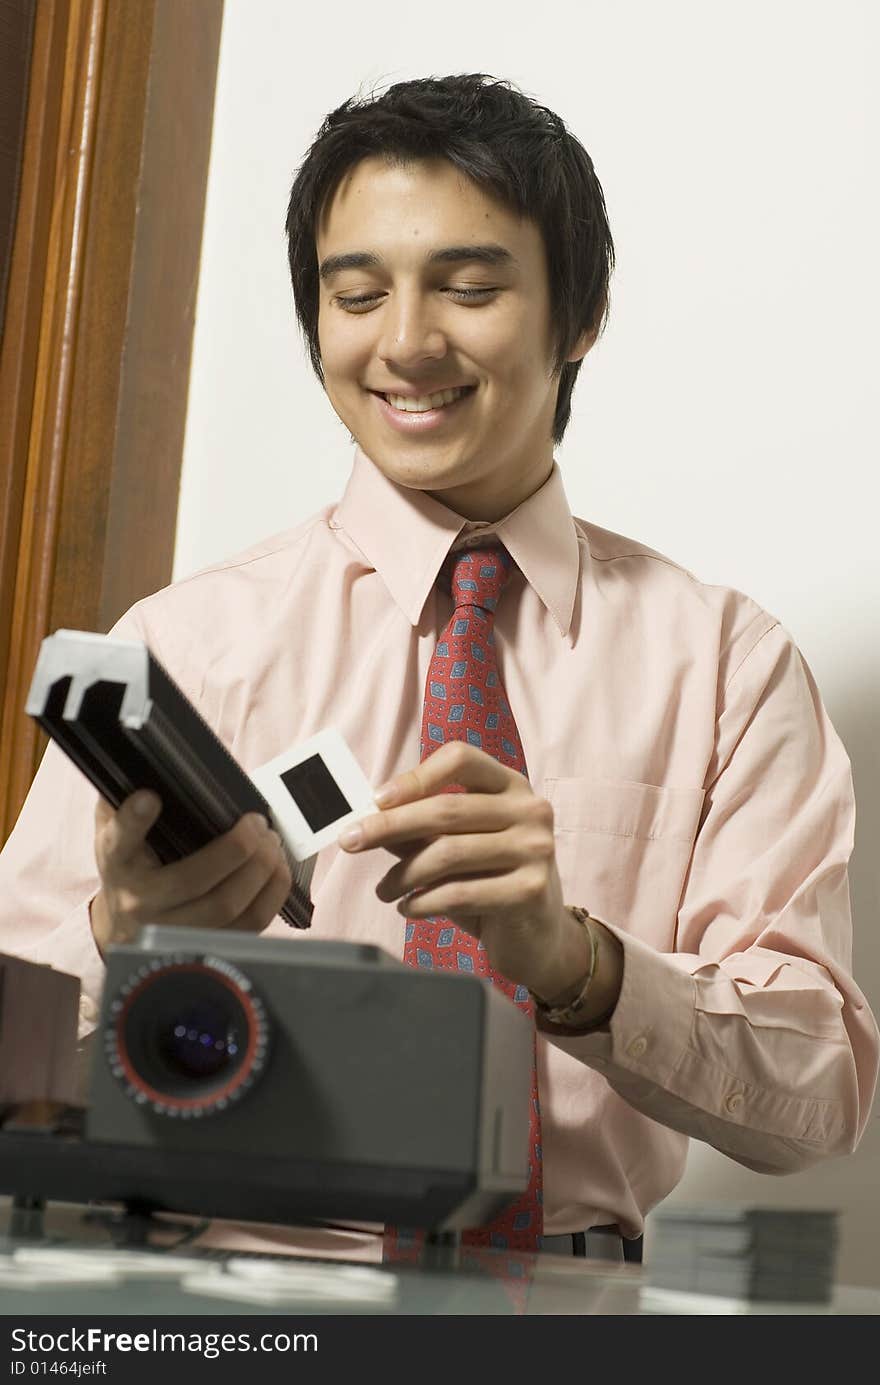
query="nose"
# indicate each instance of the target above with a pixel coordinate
(410, 331)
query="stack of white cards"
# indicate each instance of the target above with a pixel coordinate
(40, 1265)
(269, 1281)
(295, 1283)
(757, 1254)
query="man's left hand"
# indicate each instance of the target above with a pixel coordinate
(484, 858)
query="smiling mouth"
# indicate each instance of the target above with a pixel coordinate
(425, 402)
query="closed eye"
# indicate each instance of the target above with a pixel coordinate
(364, 300)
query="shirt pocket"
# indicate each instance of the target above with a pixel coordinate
(623, 849)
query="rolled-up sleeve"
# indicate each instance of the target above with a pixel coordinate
(751, 1034)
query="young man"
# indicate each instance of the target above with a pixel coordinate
(618, 780)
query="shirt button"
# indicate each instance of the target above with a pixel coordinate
(88, 1009)
(734, 1102)
(638, 1047)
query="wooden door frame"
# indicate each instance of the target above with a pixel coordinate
(97, 338)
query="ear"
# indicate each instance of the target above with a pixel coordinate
(588, 337)
(582, 345)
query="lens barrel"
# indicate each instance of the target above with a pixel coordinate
(186, 1036)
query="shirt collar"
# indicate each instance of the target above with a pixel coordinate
(405, 534)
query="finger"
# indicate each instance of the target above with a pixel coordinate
(447, 857)
(196, 875)
(453, 764)
(268, 902)
(462, 897)
(241, 900)
(122, 834)
(404, 851)
(429, 818)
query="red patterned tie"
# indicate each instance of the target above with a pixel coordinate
(465, 701)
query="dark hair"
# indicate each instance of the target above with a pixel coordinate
(503, 141)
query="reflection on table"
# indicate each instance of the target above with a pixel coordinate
(85, 1260)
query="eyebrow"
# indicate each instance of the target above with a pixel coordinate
(491, 254)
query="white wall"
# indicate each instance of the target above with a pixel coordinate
(725, 418)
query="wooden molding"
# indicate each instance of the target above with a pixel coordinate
(101, 304)
(24, 301)
(16, 42)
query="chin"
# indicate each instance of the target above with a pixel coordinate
(405, 460)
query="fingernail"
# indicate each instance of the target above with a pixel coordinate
(260, 823)
(385, 794)
(142, 805)
(352, 836)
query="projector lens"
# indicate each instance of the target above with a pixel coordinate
(200, 1040)
(187, 1036)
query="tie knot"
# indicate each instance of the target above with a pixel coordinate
(477, 576)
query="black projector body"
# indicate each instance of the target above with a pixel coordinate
(337, 1081)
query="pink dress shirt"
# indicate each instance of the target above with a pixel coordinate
(702, 800)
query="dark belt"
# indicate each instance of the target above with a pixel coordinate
(598, 1243)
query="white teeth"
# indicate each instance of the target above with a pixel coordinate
(425, 401)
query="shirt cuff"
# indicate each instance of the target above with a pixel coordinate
(650, 1027)
(72, 948)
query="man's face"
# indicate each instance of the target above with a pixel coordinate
(403, 321)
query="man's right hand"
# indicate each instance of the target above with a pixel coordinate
(239, 880)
